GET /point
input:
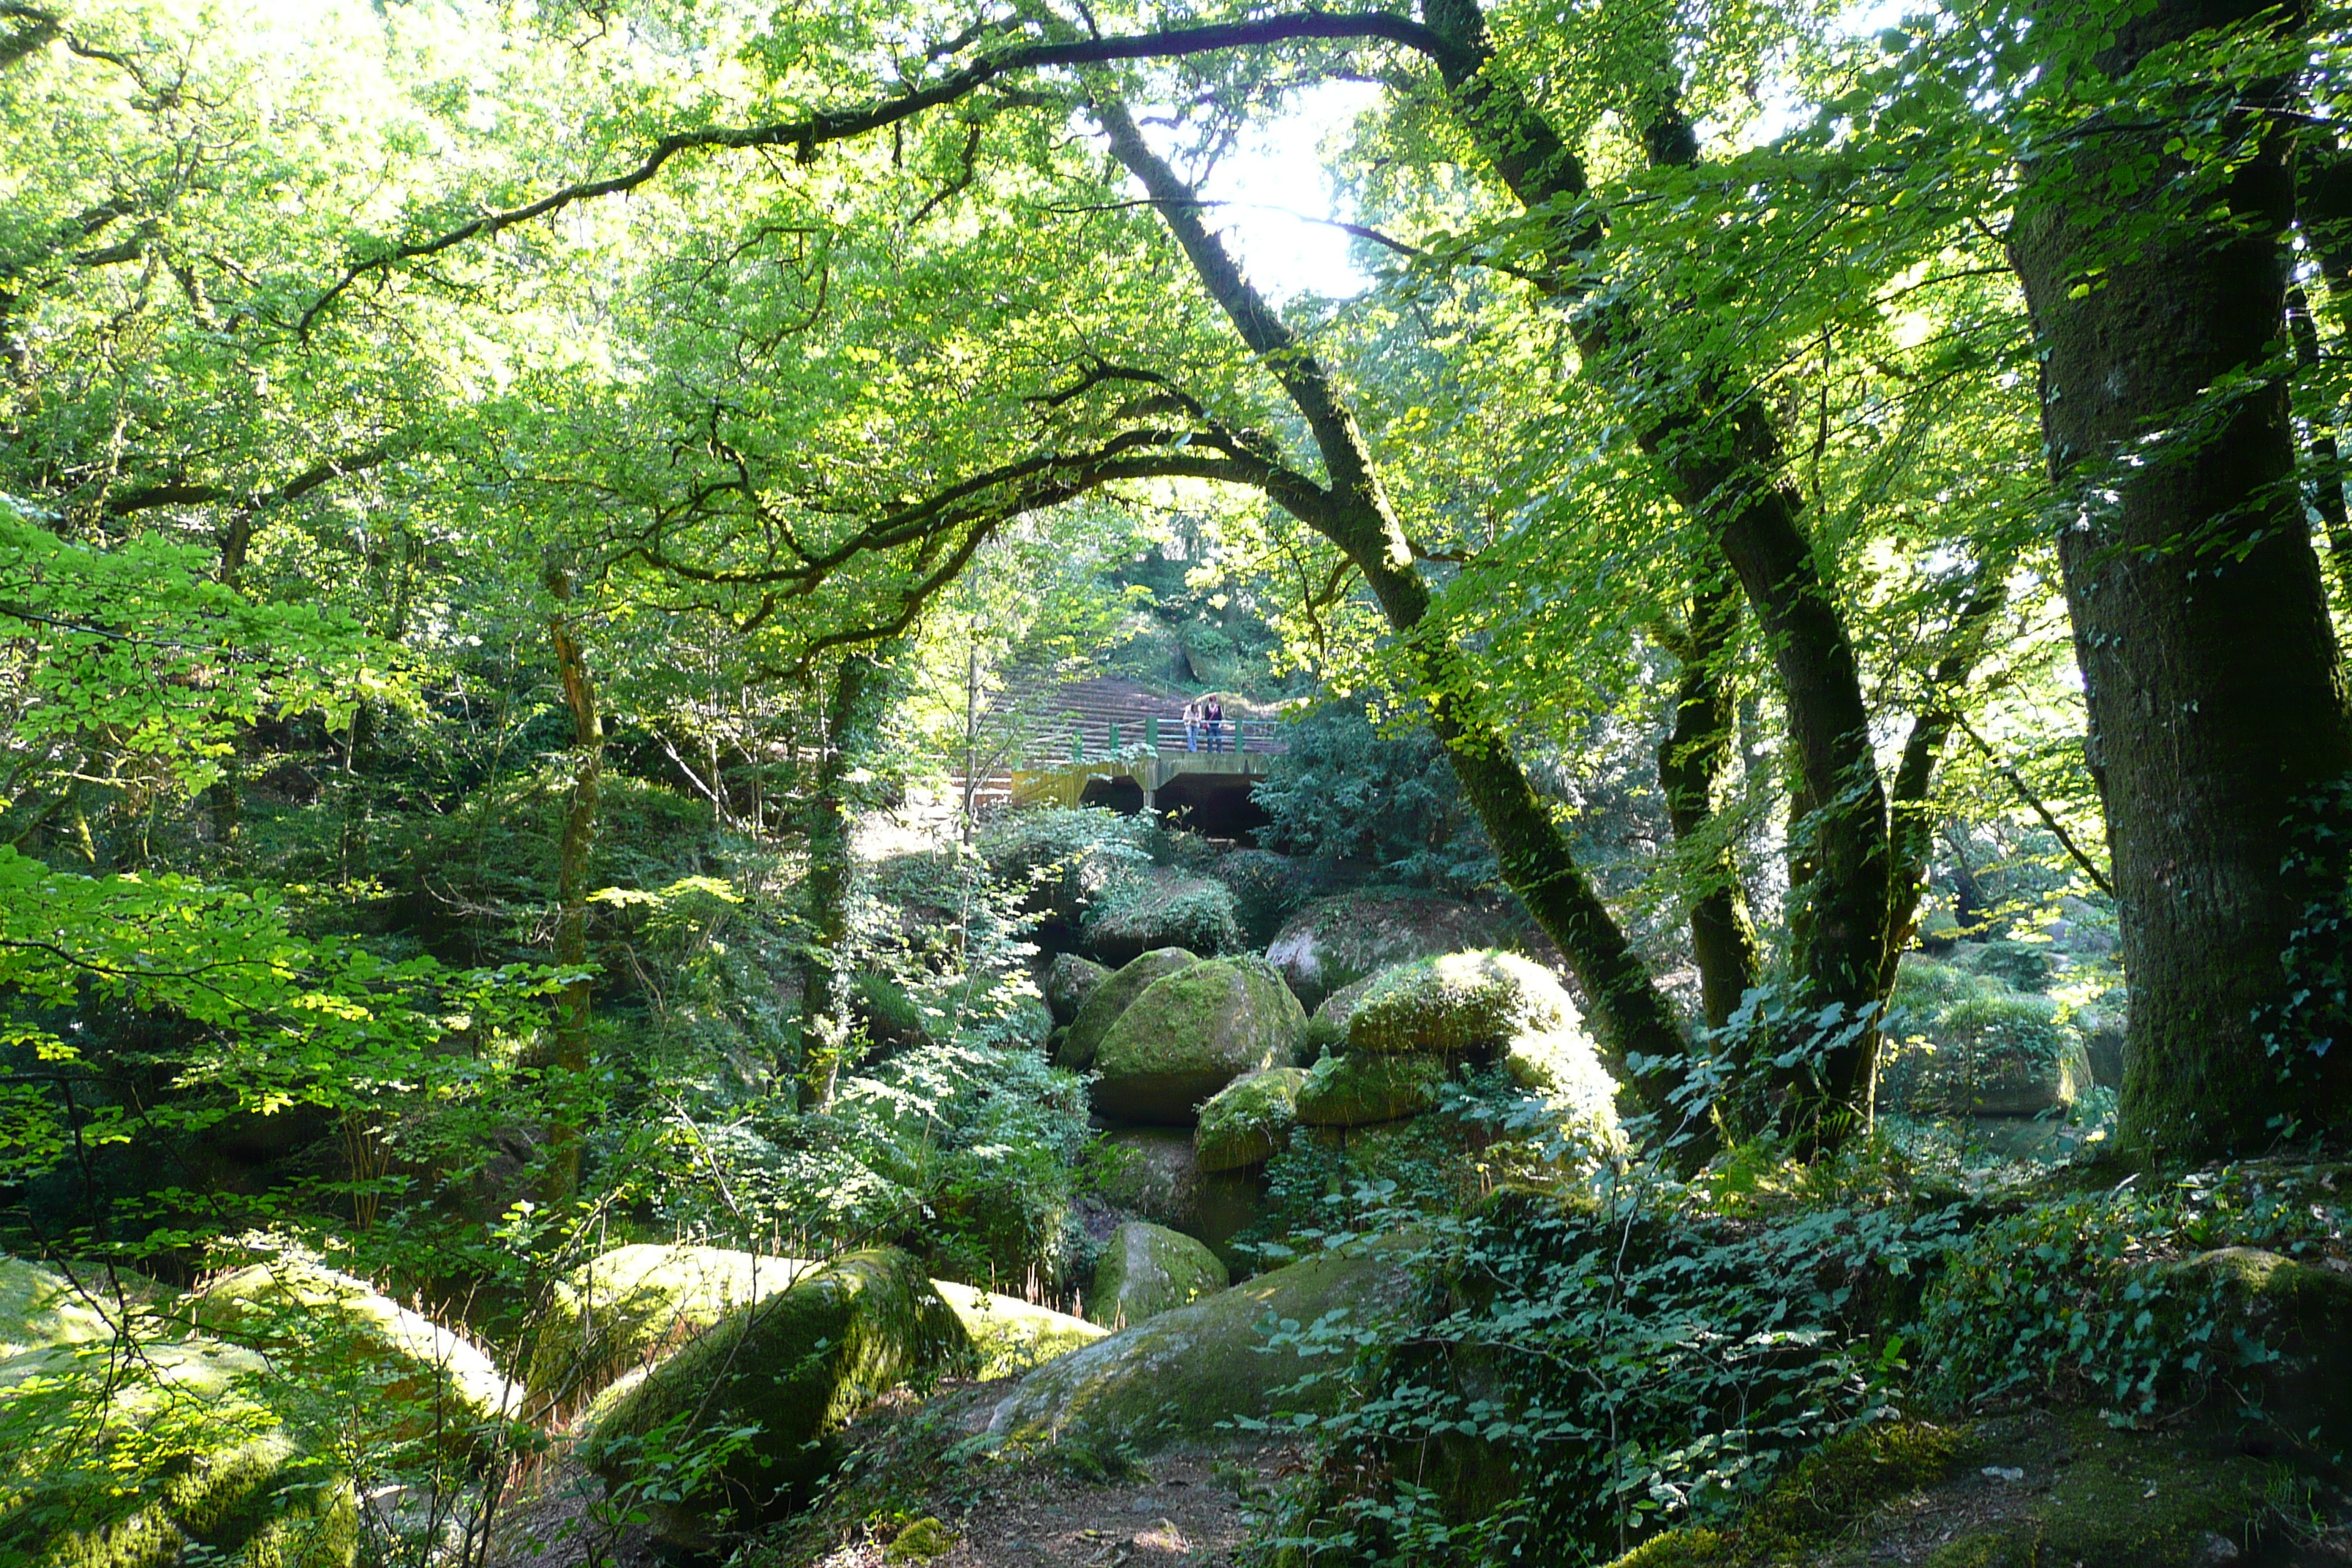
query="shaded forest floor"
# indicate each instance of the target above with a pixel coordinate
(916, 1460)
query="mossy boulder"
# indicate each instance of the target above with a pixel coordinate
(1068, 980)
(1358, 1089)
(38, 1307)
(1966, 1044)
(2300, 1315)
(1143, 908)
(1459, 1003)
(1245, 1122)
(1191, 1033)
(413, 1379)
(732, 1428)
(1327, 1027)
(1563, 1065)
(1188, 1375)
(1010, 1336)
(1334, 942)
(2029, 1491)
(621, 1309)
(174, 1455)
(1148, 1269)
(1108, 1000)
(1157, 1176)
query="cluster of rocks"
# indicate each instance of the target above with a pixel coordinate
(1204, 1070)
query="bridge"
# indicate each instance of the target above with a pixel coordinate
(1114, 742)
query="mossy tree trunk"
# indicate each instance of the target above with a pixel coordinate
(1718, 454)
(1691, 761)
(1630, 1015)
(568, 1052)
(2210, 672)
(860, 688)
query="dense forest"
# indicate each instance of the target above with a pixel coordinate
(766, 801)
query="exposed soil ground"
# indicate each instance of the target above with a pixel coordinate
(916, 1460)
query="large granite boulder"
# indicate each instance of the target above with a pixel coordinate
(169, 1456)
(1190, 1033)
(1068, 980)
(1148, 1269)
(1158, 1177)
(1459, 1003)
(1327, 1027)
(1358, 1089)
(1334, 942)
(752, 1402)
(1108, 1000)
(411, 1379)
(1189, 1375)
(1961, 1044)
(1156, 905)
(627, 1307)
(1010, 1336)
(1245, 1122)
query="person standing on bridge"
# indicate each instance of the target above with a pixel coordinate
(1193, 725)
(1213, 719)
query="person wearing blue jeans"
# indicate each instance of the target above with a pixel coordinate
(1213, 720)
(1193, 726)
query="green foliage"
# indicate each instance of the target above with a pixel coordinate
(2068, 1295)
(1136, 911)
(1348, 791)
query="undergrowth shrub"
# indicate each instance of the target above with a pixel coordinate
(2067, 1296)
(1136, 911)
(1609, 1359)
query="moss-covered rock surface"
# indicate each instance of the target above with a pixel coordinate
(1189, 1374)
(2041, 1489)
(411, 1378)
(1066, 984)
(1109, 999)
(1157, 1176)
(1148, 1269)
(622, 1307)
(1334, 942)
(1010, 1336)
(1356, 1089)
(1189, 1035)
(1459, 1003)
(1144, 908)
(176, 1455)
(1326, 1025)
(1243, 1123)
(731, 1428)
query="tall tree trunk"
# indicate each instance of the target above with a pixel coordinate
(1719, 455)
(858, 690)
(2210, 669)
(1691, 763)
(1631, 1018)
(569, 1055)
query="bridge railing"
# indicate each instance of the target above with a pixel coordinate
(1149, 735)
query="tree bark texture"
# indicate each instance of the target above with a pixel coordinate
(1691, 763)
(1720, 457)
(2210, 672)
